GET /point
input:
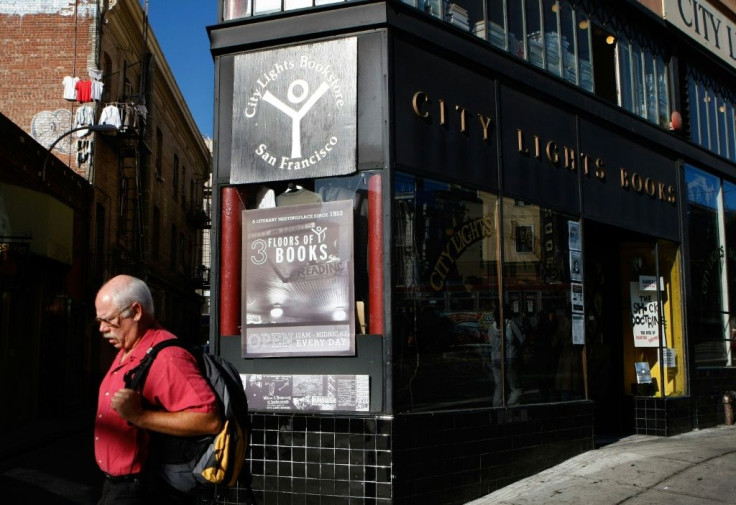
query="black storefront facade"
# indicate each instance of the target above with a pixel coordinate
(394, 200)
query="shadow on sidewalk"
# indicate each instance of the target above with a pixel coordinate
(55, 467)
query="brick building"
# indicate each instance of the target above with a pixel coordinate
(138, 189)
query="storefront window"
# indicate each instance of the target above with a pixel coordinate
(542, 305)
(479, 319)
(445, 285)
(712, 241)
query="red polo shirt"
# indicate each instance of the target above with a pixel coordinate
(174, 383)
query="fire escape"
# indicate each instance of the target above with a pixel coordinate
(130, 231)
(130, 255)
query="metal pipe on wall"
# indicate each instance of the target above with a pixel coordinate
(375, 255)
(230, 269)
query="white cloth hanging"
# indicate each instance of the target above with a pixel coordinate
(85, 116)
(70, 87)
(110, 115)
(97, 90)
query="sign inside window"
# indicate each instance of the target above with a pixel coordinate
(297, 272)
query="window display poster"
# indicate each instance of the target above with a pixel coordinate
(576, 266)
(307, 392)
(573, 235)
(643, 372)
(576, 298)
(649, 283)
(578, 329)
(298, 292)
(645, 315)
(667, 357)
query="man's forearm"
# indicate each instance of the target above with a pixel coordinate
(181, 424)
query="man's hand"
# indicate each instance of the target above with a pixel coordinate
(127, 403)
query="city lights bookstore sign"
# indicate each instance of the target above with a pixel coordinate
(294, 112)
(705, 24)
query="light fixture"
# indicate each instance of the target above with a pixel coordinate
(277, 311)
(583, 25)
(339, 314)
(722, 108)
(610, 40)
(556, 7)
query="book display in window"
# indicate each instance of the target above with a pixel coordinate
(458, 16)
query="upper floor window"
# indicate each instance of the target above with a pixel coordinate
(712, 114)
(175, 174)
(159, 152)
(579, 41)
(107, 77)
(183, 186)
(174, 248)
(155, 236)
(192, 194)
(234, 9)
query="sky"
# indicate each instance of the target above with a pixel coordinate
(180, 29)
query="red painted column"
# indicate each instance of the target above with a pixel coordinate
(375, 255)
(230, 246)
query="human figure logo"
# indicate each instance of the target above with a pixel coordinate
(297, 115)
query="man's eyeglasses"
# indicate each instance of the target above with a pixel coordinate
(109, 320)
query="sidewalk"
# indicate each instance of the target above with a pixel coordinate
(50, 461)
(696, 468)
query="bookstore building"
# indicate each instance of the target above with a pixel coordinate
(459, 243)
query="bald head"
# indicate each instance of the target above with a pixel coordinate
(124, 290)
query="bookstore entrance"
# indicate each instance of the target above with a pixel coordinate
(630, 324)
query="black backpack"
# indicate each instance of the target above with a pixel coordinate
(211, 463)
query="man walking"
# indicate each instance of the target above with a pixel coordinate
(176, 400)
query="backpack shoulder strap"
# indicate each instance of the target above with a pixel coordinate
(135, 377)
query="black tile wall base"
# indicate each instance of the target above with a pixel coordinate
(298, 459)
(663, 417)
(453, 457)
(429, 458)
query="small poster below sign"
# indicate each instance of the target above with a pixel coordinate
(576, 266)
(649, 283)
(576, 298)
(578, 329)
(307, 392)
(645, 316)
(573, 235)
(667, 357)
(643, 373)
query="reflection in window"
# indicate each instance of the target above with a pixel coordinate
(524, 239)
(450, 315)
